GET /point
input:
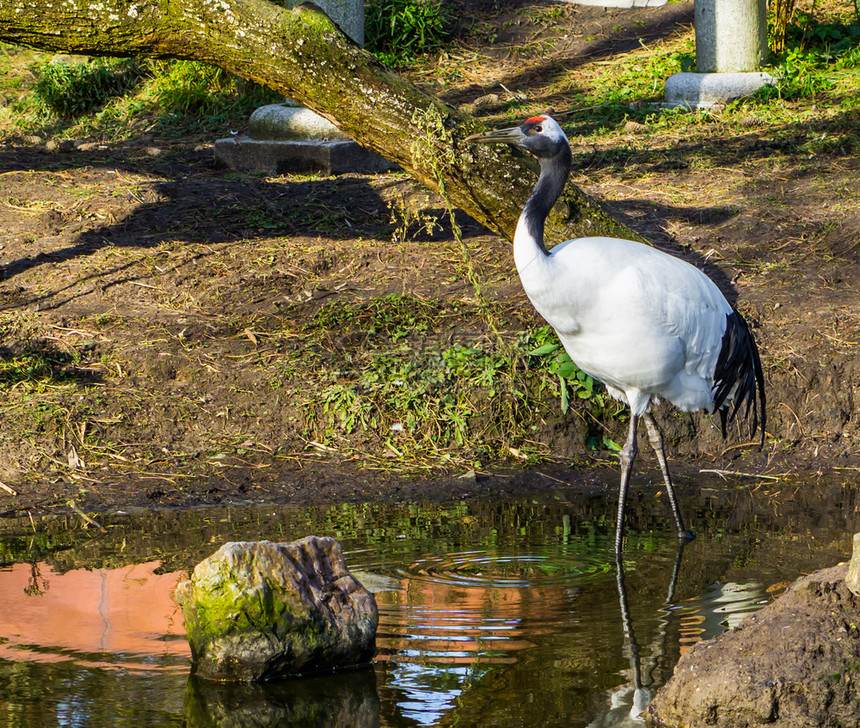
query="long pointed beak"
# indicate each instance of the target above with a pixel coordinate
(510, 136)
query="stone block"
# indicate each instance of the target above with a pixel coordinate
(313, 155)
(702, 90)
(288, 122)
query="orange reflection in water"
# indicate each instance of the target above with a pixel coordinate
(127, 613)
(458, 623)
(691, 630)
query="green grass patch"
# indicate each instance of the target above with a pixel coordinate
(29, 358)
(394, 317)
(120, 98)
(391, 374)
(36, 366)
(72, 89)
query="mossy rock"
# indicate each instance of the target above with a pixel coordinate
(261, 610)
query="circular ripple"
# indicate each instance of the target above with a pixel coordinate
(533, 568)
(475, 606)
(447, 618)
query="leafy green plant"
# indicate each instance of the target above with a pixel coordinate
(572, 380)
(815, 56)
(798, 76)
(397, 31)
(832, 36)
(73, 89)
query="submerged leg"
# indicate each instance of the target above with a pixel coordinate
(656, 438)
(628, 455)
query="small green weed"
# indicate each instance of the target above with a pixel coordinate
(799, 76)
(35, 365)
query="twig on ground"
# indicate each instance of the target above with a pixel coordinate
(739, 474)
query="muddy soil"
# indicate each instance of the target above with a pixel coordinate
(150, 299)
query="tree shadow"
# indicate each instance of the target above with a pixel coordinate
(197, 202)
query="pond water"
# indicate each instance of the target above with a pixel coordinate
(502, 613)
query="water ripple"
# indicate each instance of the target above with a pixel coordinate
(482, 605)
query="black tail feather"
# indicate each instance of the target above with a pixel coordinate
(739, 374)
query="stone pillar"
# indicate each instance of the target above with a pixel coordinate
(731, 35)
(348, 14)
(731, 45)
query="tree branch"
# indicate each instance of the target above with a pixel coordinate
(303, 55)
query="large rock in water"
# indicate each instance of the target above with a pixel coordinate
(261, 610)
(794, 663)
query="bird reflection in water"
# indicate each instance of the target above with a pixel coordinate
(628, 703)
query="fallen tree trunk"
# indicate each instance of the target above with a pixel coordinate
(302, 54)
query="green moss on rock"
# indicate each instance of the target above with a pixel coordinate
(259, 610)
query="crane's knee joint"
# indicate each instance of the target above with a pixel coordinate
(628, 452)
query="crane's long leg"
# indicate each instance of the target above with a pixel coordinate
(628, 455)
(656, 438)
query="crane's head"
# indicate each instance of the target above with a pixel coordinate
(540, 135)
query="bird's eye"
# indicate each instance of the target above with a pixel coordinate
(538, 129)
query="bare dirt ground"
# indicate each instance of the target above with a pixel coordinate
(151, 302)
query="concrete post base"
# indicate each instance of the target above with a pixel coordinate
(272, 157)
(703, 90)
(284, 138)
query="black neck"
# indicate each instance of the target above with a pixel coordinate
(553, 176)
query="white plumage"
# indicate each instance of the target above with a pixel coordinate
(648, 325)
(642, 322)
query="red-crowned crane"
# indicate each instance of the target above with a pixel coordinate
(648, 325)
